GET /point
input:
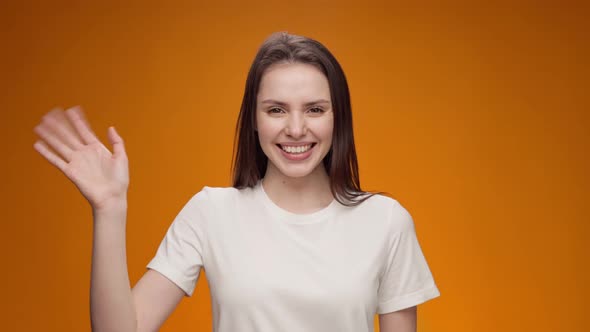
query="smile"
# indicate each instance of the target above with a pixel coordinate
(296, 149)
(296, 152)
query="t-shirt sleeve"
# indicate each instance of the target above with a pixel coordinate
(180, 254)
(406, 280)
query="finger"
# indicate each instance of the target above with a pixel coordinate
(53, 141)
(85, 120)
(54, 159)
(57, 122)
(79, 122)
(117, 143)
(82, 116)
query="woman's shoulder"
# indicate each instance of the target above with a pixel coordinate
(380, 200)
(384, 204)
(219, 194)
(212, 199)
(216, 190)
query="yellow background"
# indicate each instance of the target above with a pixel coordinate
(475, 117)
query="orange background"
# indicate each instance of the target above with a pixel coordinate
(476, 118)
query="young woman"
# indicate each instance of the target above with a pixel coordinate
(293, 245)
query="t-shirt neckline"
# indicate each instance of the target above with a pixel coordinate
(290, 217)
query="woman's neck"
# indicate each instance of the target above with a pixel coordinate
(298, 195)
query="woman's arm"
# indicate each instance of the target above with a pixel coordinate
(68, 142)
(111, 303)
(399, 321)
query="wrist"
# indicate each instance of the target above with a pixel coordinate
(113, 206)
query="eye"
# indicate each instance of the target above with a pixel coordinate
(316, 110)
(275, 110)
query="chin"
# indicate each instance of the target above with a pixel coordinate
(295, 174)
(297, 171)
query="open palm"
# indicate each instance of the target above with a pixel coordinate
(68, 142)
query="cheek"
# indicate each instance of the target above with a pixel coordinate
(267, 130)
(325, 130)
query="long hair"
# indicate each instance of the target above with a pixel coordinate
(249, 161)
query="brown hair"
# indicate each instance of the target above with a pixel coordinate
(249, 161)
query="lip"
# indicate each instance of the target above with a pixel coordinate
(297, 157)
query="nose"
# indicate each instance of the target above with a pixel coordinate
(296, 126)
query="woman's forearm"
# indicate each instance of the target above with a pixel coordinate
(111, 302)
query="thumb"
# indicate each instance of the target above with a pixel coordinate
(117, 142)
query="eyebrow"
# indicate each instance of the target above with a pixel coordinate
(315, 102)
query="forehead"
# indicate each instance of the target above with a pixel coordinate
(293, 82)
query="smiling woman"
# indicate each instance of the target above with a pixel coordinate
(293, 245)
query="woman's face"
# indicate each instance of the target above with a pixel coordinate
(294, 118)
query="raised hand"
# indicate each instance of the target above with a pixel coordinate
(68, 142)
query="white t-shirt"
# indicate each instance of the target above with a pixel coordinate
(272, 270)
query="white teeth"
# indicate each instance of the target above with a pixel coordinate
(296, 149)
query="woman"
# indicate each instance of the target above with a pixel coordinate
(294, 245)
